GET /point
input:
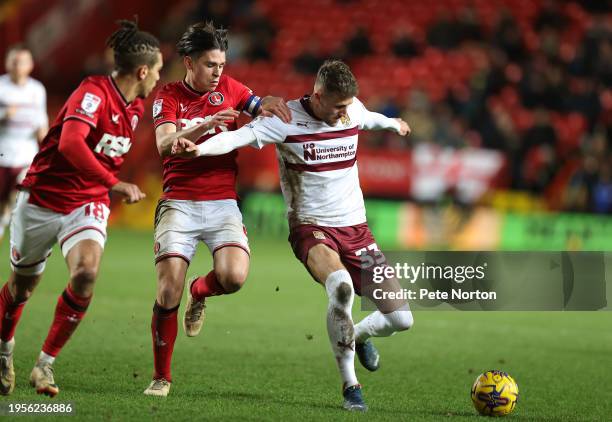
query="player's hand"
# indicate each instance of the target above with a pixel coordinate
(275, 106)
(404, 128)
(10, 111)
(221, 118)
(184, 148)
(131, 192)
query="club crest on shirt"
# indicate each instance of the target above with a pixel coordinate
(318, 235)
(134, 122)
(346, 120)
(157, 107)
(215, 98)
(90, 102)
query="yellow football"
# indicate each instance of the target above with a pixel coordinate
(495, 393)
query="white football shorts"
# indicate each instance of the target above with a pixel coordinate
(34, 231)
(181, 224)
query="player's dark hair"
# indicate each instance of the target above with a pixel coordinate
(132, 47)
(335, 77)
(201, 37)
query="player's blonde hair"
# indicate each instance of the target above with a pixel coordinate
(335, 77)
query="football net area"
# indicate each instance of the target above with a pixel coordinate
(490, 281)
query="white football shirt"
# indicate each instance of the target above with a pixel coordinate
(318, 162)
(18, 143)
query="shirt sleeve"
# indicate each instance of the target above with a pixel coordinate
(369, 120)
(165, 109)
(86, 104)
(225, 142)
(73, 146)
(267, 130)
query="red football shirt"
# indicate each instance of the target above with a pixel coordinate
(52, 181)
(202, 178)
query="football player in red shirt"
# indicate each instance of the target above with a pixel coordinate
(199, 196)
(65, 196)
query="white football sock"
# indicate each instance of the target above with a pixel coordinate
(339, 287)
(378, 324)
(45, 358)
(6, 347)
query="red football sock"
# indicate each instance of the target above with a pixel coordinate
(164, 327)
(69, 312)
(11, 312)
(206, 286)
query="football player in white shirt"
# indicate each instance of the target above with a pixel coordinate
(23, 123)
(325, 208)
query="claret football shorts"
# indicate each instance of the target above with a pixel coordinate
(348, 242)
(181, 224)
(34, 231)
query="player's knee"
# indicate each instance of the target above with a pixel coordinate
(401, 320)
(232, 279)
(83, 277)
(23, 295)
(22, 287)
(168, 296)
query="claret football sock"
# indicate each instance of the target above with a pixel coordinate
(164, 326)
(340, 329)
(69, 312)
(11, 312)
(206, 286)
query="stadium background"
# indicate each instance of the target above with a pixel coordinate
(510, 104)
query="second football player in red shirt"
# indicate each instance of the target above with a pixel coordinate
(199, 198)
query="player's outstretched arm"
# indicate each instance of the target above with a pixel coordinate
(226, 142)
(166, 135)
(377, 121)
(219, 144)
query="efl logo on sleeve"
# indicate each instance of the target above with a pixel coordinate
(90, 102)
(157, 107)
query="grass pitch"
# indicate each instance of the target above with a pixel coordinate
(264, 355)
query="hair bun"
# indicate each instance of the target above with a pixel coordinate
(121, 38)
